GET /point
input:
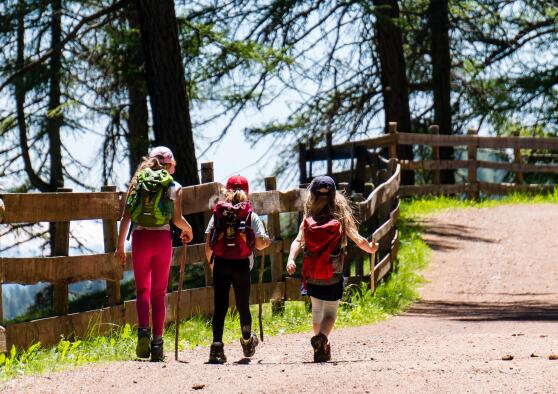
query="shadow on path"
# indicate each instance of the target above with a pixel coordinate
(487, 311)
(444, 236)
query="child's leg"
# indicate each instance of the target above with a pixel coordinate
(329, 316)
(141, 257)
(221, 288)
(160, 266)
(317, 314)
(241, 286)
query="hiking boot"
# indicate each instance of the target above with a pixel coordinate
(157, 353)
(249, 345)
(217, 353)
(322, 349)
(144, 338)
(327, 353)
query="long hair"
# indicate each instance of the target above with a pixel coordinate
(235, 196)
(146, 162)
(336, 207)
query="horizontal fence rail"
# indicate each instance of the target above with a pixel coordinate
(362, 164)
(378, 212)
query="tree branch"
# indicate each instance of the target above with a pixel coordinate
(71, 35)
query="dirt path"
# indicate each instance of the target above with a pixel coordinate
(493, 292)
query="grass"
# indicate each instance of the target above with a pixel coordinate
(423, 206)
(358, 306)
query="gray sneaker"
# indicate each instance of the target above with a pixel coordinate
(143, 349)
(249, 345)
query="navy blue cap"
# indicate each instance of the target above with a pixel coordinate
(323, 186)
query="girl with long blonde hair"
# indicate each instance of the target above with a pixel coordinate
(328, 221)
(153, 199)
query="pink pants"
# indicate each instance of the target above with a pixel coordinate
(151, 257)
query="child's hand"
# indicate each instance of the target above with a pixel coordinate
(291, 267)
(268, 241)
(186, 236)
(121, 255)
(373, 246)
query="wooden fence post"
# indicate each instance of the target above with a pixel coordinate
(435, 130)
(3, 344)
(2, 211)
(517, 159)
(368, 189)
(207, 176)
(110, 236)
(358, 256)
(393, 146)
(329, 153)
(276, 259)
(359, 175)
(473, 188)
(302, 163)
(383, 216)
(60, 304)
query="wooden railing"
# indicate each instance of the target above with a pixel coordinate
(361, 162)
(378, 213)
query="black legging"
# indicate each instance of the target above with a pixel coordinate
(237, 273)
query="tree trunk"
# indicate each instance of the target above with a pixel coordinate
(20, 91)
(54, 120)
(166, 85)
(138, 128)
(441, 69)
(393, 76)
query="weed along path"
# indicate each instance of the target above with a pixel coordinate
(487, 322)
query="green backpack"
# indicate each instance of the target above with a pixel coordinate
(148, 202)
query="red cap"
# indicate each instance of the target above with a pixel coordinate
(237, 182)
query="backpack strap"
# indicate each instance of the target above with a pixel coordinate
(130, 231)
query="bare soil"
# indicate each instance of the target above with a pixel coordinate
(487, 322)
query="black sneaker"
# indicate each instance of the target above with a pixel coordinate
(249, 345)
(157, 352)
(322, 349)
(217, 353)
(143, 349)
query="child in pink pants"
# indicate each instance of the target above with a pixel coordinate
(152, 248)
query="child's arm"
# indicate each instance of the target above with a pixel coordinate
(362, 243)
(296, 247)
(262, 242)
(207, 249)
(262, 239)
(122, 231)
(179, 220)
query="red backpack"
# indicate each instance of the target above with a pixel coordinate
(232, 236)
(323, 255)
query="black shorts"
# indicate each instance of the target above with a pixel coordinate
(332, 292)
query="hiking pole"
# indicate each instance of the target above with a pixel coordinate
(372, 268)
(260, 285)
(177, 309)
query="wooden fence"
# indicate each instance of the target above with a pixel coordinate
(378, 212)
(361, 157)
